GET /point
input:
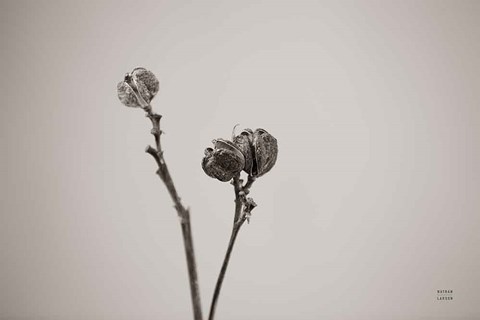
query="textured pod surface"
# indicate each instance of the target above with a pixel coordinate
(126, 95)
(244, 142)
(138, 88)
(148, 80)
(224, 161)
(265, 152)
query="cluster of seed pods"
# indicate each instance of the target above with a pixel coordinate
(254, 152)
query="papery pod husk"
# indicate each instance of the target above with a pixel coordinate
(265, 152)
(224, 161)
(226, 144)
(146, 79)
(138, 88)
(244, 142)
(127, 96)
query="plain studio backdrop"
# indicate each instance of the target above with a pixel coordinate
(373, 204)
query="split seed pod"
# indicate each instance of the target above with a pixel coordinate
(224, 161)
(138, 88)
(260, 149)
(265, 151)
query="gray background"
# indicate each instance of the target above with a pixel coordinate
(373, 204)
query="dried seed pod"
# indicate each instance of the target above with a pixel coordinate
(244, 142)
(138, 88)
(260, 150)
(224, 161)
(265, 152)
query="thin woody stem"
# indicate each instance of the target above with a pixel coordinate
(183, 213)
(239, 218)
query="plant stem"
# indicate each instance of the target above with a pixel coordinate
(183, 213)
(239, 219)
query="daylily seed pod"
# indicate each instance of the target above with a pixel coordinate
(224, 161)
(255, 152)
(138, 88)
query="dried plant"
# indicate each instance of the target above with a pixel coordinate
(254, 152)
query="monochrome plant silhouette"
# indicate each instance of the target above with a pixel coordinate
(253, 152)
